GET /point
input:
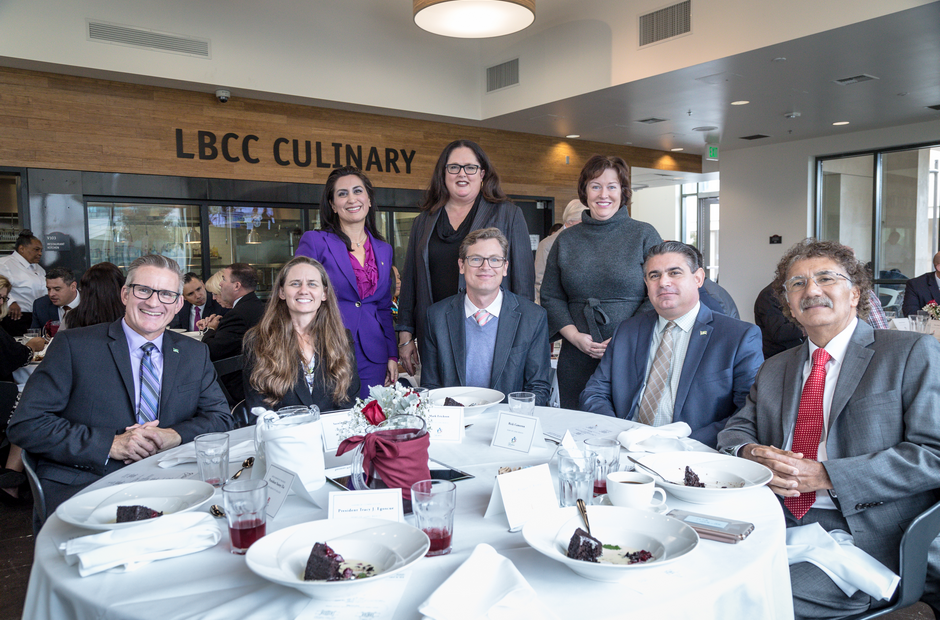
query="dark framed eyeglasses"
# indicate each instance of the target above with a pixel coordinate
(4, 299)
(145, 292)
(477, 261)
(470, 169)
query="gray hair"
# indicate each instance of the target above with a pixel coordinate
(674, 247)
(155, 260)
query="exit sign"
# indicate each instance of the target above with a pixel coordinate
(712, 153)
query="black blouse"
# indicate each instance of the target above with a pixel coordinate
(443, 252)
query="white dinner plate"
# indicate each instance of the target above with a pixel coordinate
(725, 477)
(476, 400)
(666, 538)
(95, 511)
(281, 557)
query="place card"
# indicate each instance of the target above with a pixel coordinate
(374, 504)
(279, 481)
(516, 432)
(900, 324)
(445, 424)
(522, 495)
(331, 425)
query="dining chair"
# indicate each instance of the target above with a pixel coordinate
(8, 395)
(241, 415)
(39, 498)
(225, 367)
(914, 547)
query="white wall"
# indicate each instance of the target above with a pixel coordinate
(660, 207)
(769, 190)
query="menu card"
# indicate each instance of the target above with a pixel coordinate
(522, 494)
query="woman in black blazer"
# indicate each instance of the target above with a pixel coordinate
(300, 353)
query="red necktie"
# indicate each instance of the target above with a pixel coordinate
(809, 424)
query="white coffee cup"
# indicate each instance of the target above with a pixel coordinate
(633, 489)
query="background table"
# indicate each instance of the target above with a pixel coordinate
(750, 579)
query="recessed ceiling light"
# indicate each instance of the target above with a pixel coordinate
(705, 128)
(742, 102)
(837, 123)
(676, 178)
(679, 149)
(779, 59)
(573, 135)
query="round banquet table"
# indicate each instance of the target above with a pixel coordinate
(716, 580)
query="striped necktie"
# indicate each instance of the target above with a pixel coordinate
(149, 408)
(482, 317)
(656, 384)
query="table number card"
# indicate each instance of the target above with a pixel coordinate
(331, 426)
(279, 481)
(523, 494)
(517, 432)
(374, 504)
(445, 424)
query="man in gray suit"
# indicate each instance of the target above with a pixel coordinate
(111, 394)
(849, 423)
(487, 337)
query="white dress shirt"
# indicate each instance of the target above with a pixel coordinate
(469, 309)
(72, 305)
(28, 280)
(681, 335)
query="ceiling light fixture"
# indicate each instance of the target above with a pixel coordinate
(679, 149)
(705, 128)
(838, 123)
(742, 102)
(473, 19)
(573, 135)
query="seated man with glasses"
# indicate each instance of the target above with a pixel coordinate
(111, 394)
(487, 337)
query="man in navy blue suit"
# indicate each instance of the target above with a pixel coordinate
(63, 296)
(923, 289)
(681, 363)
(198, 304)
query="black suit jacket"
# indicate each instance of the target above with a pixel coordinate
(918, 292)
(226, 341)
(522, 358)
(181, 320)
(82, 395)
(43, 312)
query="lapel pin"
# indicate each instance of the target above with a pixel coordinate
(703, 333)
(176, 350)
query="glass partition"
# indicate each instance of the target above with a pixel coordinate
(120, 232)
(846, 203)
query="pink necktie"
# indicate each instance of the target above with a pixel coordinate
(809, 424)
(482, 317)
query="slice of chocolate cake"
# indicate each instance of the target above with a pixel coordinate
(691, 478)
(324, 565)
(126, 514)
(450, 402)
(584, 547)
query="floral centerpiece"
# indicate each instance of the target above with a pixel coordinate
(383, 403)
(933, 309)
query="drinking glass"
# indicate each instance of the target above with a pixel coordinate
(212, 457)
(575, 477)
(433, 503)
(522, 403)
(245, 502)
(608, 460)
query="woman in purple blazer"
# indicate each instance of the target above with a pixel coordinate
(359, 264)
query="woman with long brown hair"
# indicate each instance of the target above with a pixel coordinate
(464, 195)
(101, 297)
(300, 353)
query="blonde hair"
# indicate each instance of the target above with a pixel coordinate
(4, 307)
(274, 350)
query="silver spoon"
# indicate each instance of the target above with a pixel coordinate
(246, 464)
(582, 509)
(216, 511)
(653, 471)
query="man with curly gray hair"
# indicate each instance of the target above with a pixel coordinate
(848, 422)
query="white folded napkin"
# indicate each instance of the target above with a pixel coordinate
(187, 454)
(168, 536)
(487, 586)
(643, 438)
(835, 554)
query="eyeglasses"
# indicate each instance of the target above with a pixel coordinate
(823, 279)
(477, 261)
(470, 169)
(4, 298)
(145, 292)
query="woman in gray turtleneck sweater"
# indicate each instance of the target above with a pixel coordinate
(594, 277)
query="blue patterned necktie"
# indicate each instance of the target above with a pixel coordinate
(149, 387)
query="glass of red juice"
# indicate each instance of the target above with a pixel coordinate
(608, 460)
(433, 503)
(245, 502)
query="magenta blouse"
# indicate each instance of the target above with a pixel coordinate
(367, 276)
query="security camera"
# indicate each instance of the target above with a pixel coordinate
(222, 95)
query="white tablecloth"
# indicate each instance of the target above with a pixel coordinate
(747, 580)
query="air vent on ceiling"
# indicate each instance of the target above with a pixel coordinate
(855, 79)
(756, 136)
(502, 76)
(651, 120)
(104, 32)
(666, 23)
(934, 107)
